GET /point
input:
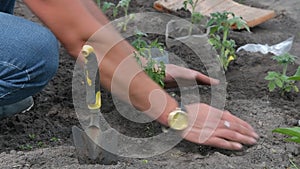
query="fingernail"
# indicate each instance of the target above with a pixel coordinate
(256, 136)
(238, 146)
(253, 141)
(216, 81)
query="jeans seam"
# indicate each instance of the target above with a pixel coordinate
(15, 67)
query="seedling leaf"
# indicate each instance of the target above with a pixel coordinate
(296, 89)
(297, 72)
(107, 5)
(296, 76)
(196, 17)
(279, 83)
(271, 86)
(115, 11)
(294, 132)
(281, 79)
(221, 23)
(185, 3)
(293, 139)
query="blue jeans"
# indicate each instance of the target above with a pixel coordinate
(28, 56)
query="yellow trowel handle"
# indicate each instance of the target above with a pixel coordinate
(93, 94)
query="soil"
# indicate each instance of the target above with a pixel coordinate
(42, 137)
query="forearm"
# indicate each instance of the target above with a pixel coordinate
(73, 24)
(127, 80)
(94, 10)
(120, 73)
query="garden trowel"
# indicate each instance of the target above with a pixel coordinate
(89, 142)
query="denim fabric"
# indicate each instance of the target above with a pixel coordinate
(28, 57)
(7, 6)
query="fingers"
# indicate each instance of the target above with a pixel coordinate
(201, 79)
(186, 77)
(235, 129)
(224, 130)
(170, 82)
(239, 125)
(227, 139)
(231, 135)
(235, 136)
(224, 144)
(205, 80)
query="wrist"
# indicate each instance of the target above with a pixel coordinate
(153, 101)
(171, 105)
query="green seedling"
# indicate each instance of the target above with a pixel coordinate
(124, 4)
(155, 70)
(40, 144)
(145, 161)
(196, 17)
(221, 23)
(32, 136)
(294, 166)
(280, 79)
(293, 132)
(98, 2)
(54, 139)
(26, 147)
(150, 130)
(142, 46)
(106, 5)
(139, 43)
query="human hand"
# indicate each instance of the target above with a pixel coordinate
(186, 77)
(216, 128)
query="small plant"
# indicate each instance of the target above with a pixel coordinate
(106, 5)
(26, 147)
(54, 139)
(145, 161)
(294, 166)
(40, 144)
(98, 2)
(139, 43)
(124, 4)
(196, 17)
(143, 47)
(155, 70)
(222, 23)
(32, 136)
(281, 80)
(293, 132)
(150, 130)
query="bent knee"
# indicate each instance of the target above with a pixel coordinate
(48, 56)
(28, 60)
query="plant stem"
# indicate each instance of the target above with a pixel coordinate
(293, 164)
(190, 29)
(284, 74)
(127, 18)
(125, 25)
(223, 57)
(194, 6)
(192, 20)
(125, 10)
(284, 69)
(99, 3)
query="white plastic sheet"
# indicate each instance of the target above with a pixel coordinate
(277, 49)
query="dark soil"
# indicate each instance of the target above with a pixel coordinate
(41, 138)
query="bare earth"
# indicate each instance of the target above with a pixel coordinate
(247, 98)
